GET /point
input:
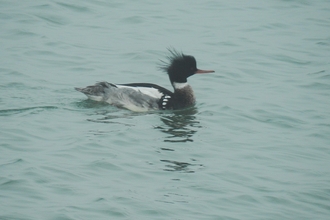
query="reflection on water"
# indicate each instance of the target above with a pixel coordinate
(180, 126)
(179, 166)
(87, 103)
(105, 113)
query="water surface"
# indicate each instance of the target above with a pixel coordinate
(256, 145)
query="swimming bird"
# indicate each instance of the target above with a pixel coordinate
(141, 97)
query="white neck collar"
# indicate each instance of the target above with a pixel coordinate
(177, 85)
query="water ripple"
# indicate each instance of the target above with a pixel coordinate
(30, 110)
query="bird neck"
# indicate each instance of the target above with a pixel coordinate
(177, 85)
(183, 94)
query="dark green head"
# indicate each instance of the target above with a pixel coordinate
(181, 66)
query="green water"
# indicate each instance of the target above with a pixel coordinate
(255, 146)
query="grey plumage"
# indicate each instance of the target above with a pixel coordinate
(121, 96)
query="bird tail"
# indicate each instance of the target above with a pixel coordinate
(96, 92)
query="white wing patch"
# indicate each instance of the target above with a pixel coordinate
(152, 92)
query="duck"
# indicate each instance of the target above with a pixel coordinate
(142, 97)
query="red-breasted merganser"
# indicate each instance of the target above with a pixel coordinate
(142, 97)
